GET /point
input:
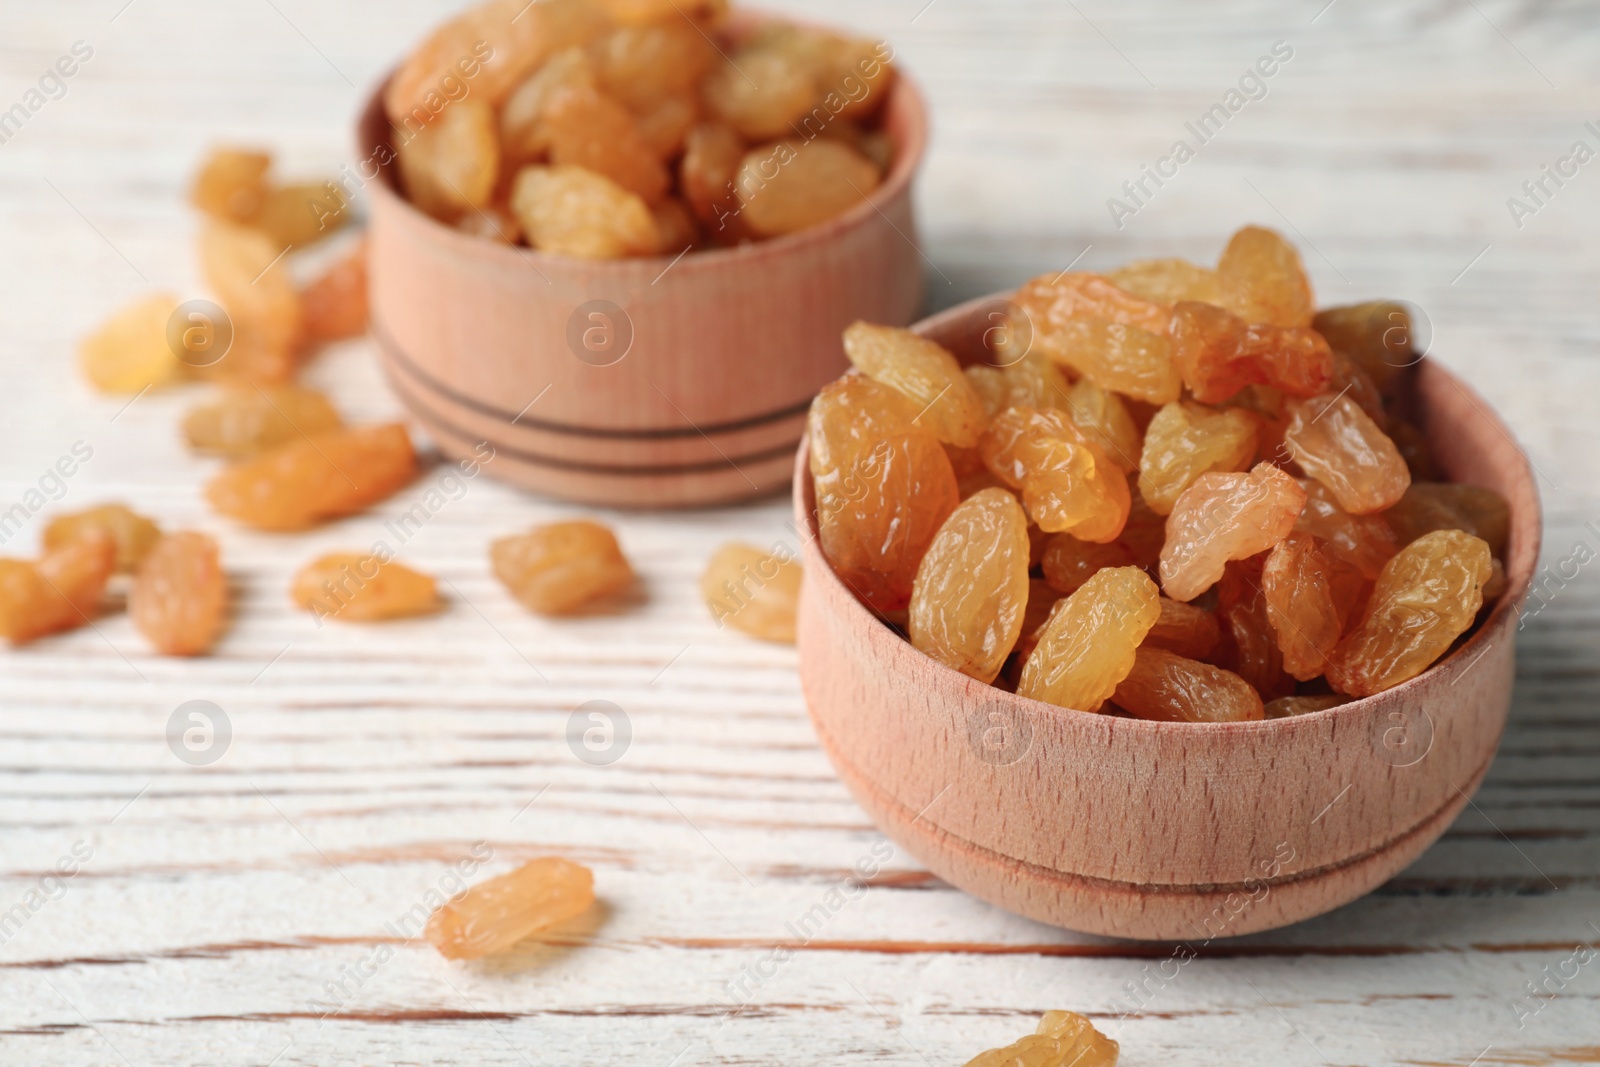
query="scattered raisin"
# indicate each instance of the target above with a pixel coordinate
(179, 597)
(753, 591)
(352, 587)
(132, 534)
(494, 915)
(315, 479)
(563, 567)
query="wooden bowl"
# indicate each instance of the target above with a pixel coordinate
(1170, 831)
(637, 382)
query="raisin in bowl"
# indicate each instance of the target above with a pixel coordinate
(1122, 826)
(673, 376)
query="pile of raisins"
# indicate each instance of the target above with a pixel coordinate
(604, 129)
(1173, 492)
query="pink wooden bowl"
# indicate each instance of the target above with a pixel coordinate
(1165, 830)
(526, 350)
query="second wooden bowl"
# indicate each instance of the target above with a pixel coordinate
(638, 382)
(1168, 831)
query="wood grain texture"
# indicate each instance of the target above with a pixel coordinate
(223, 900)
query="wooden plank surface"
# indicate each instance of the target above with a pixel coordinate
(253, 911)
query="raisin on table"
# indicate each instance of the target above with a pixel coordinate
(352, 587)
(753, 591)
(315, 479)
(562, 567)
(179, 598)
(494, 915)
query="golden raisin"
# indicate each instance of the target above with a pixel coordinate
(1063, 1039)
(675, 226)
(302, 213)
(314, 479)
(665, 125)
(712, 154)
(523, 135)
(589, 129)
(60, 592)
(789, 186)
(1250, 644)
(246, 271)
(130, 351)
(352, 587)
(1067, 482)
(971, 589)
(1427, 596)
(1069, 562)
(132, 534)
(753, 591)
(494, 915)
(1105, 420)
(1336, 443)
(1223, 517)
(1297, 585)
(1167, 281)
(574, 212)
(640, 65)
(562, 567)
(1367, 541)
(1167, 687)
(245, 420)
(1185, 629)
(923, 371)
(1187, 440)
(450, 166)
(1287, 707)
(889, 506)
(1429, 506)
(1377, 335)
(760, 92)
(1088, 646)
(1262, 279)
(335, 304)
(231, 183)
(179, 598)
(1218, 354)
(848, 417)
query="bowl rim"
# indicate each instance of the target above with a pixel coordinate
(904, 93)
(1517, 585)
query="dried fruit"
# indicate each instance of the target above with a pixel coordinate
(1171, 688)
(971, 588)
(490, 48)
(130, 351)
(1167, 281)
(665, 125)
(246, 271)
(352, 587)
(60, 592)
(301, 213)
(1377, 335)
(753, 591)
(523, 136)
(1218, 354)
(1414, 448)
(231, 183)
(760, 92)
(789, 186)
(1262, 279)
(712, 154)
(1287, 707)
(923, 371)
(179, 598)
(574, 212)
(132, 534)
(1297, 584)
(246, 420)
(1068, 484)
(562, 567)
(1429, 506)
(335, 305)
(1103, 417)
(1186, 440)
(314, 479)
(1250, 644)
(588, 129)
(1185, 629)
(1335, 442)
(675, 226)
(1223, 517)
(1426, 597)
(852, 75)
(450, 166)
(1063, 1039)
(849, 417)
(1087, 648)
(1112, 337)
(640, 65)
(1365, 541)
(1069, 562)
(494, 915)
(876, 530)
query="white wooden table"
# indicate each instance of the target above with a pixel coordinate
(244, 912)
